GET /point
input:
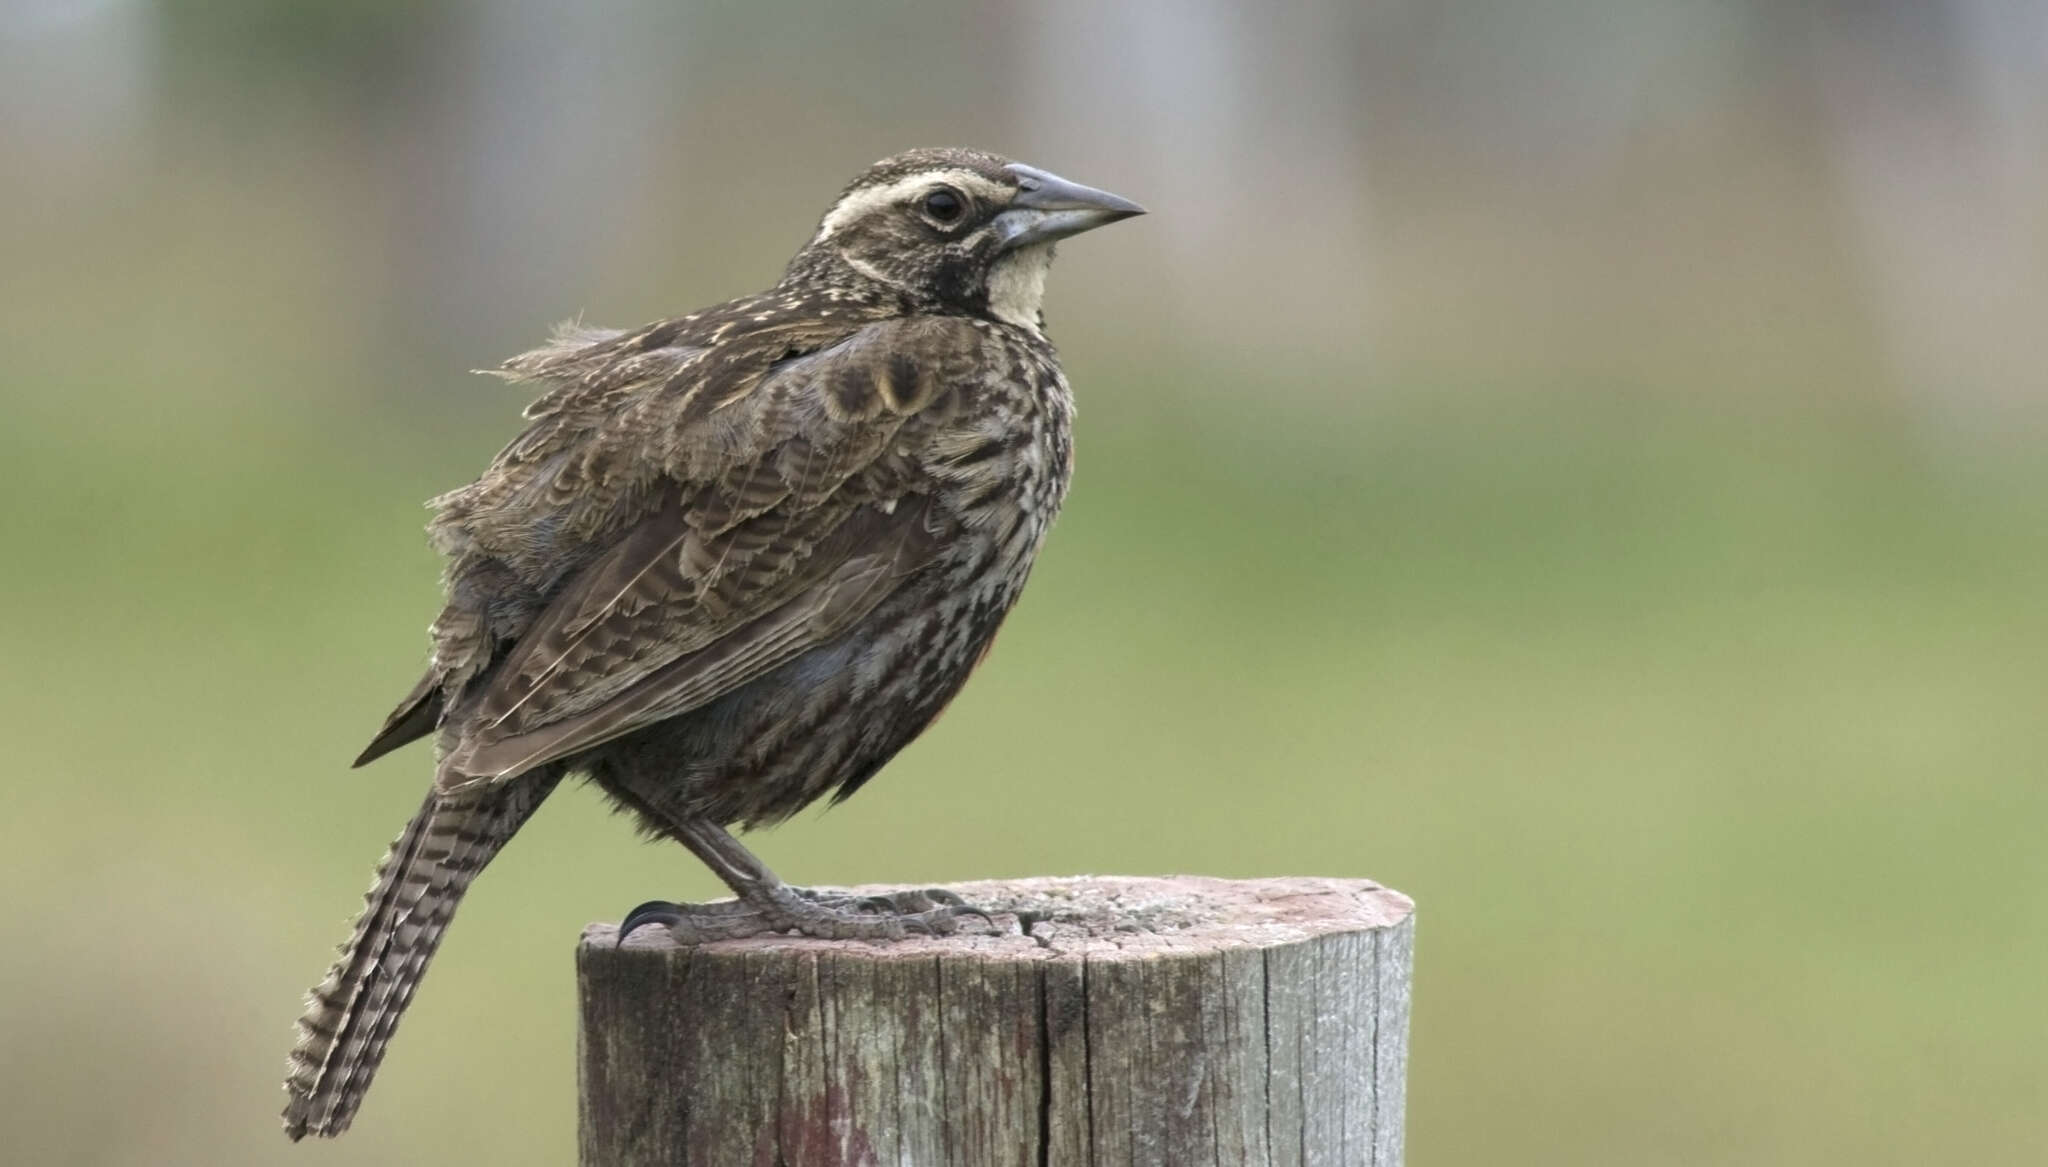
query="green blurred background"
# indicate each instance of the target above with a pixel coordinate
(1579, 463)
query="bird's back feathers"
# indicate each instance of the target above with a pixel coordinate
(712, 541)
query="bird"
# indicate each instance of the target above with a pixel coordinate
(735, 561)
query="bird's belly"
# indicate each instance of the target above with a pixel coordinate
(821, 724)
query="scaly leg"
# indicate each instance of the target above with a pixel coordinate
(765, 904)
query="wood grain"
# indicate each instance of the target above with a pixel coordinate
(1105, 1020)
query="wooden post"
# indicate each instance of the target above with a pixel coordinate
(1107, 1021)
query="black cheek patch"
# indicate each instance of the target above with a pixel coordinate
(958, 281)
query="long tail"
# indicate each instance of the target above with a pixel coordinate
(351, 1015)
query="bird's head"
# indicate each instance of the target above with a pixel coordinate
(955, 230)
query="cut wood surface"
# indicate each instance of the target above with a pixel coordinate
(1103, 1020)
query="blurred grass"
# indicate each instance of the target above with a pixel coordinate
(1708, 742)
(1569, 553)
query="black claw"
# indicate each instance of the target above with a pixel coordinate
(955, 907)
(926, 912)
(651, 912)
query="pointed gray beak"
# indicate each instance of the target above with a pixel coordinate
(1048, 207)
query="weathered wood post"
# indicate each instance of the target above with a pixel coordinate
(1108, 1021)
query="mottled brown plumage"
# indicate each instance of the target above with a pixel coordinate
(737, 560)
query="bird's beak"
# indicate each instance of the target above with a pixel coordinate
(1048, 207)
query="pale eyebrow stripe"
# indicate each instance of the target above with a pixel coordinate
(858, 204)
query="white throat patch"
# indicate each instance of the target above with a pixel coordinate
(1016, 285)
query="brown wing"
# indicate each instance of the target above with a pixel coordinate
(818, 512)
(415, 718)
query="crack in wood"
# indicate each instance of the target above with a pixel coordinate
(1108, 1019)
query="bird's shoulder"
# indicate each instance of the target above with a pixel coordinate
(773, 401)
(743, 501)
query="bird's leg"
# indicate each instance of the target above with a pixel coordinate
(766, 904)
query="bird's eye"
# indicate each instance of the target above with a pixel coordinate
(943, 205)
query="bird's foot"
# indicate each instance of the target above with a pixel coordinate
(826, 915)
(694, 923)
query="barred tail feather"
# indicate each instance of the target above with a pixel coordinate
(351, 1015)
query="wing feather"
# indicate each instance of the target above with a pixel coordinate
(643, 682)
(743, 557)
